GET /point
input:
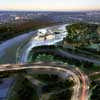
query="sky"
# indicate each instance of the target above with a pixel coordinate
(57, 5)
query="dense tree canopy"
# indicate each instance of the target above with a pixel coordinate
(82, 33)
(10, 30)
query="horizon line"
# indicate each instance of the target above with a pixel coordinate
(50, 10)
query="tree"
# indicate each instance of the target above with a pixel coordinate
(82, 33)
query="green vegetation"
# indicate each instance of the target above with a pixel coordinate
(82, 34)
(85, 38)
(11, 30)
(95, 77)
(22, 90)
(64, 95)
(96, 92)
(44, 57)
(55, 85)
(45, 53)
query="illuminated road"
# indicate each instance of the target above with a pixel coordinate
(34, 43)
(9, 48)
(23, 55)
(80, 89)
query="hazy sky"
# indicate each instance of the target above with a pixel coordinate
(49, 4)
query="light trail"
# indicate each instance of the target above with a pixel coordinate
(77, 76)
(81, 87)
(35, 43)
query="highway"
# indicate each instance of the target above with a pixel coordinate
(9, 48)
(76, 77)
(24, 52)
(34, 43)
(8, 51)
(81, 87)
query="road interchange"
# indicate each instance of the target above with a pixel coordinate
(81, 87)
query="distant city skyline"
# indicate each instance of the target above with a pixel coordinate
(51, 5)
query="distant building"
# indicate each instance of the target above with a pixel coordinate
(17, 18)
(42, 32)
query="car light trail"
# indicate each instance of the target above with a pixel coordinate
(77, 76)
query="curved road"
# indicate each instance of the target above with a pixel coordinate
(58, 38)
(9, 48)
(81, 87)
(77, 95)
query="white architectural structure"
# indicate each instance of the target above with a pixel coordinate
(42, 32)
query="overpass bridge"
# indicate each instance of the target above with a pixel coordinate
(81, 87)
